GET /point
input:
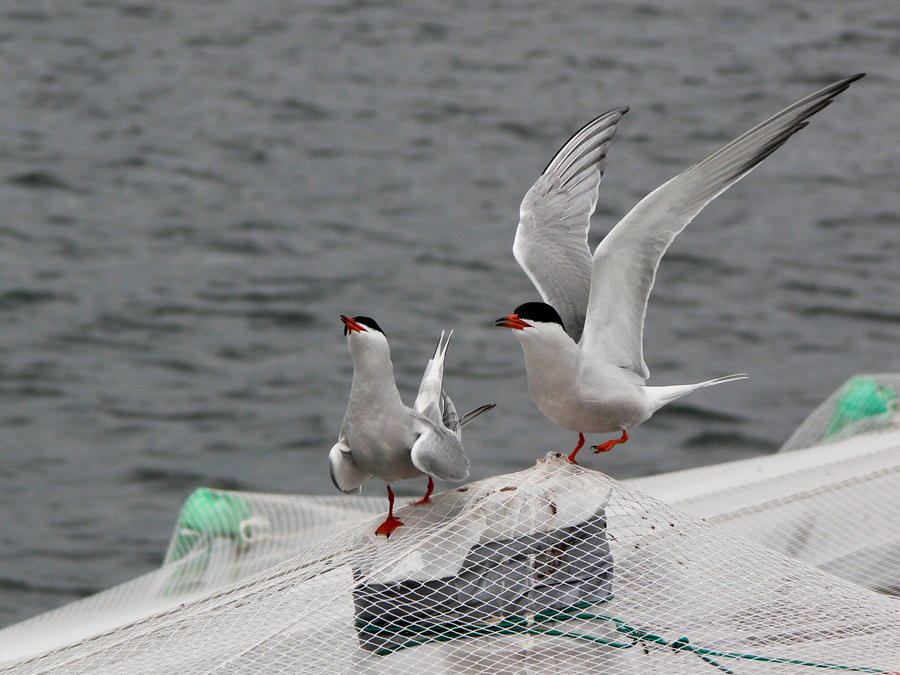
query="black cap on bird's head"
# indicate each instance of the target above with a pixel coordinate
(530, 312)
(359, 324)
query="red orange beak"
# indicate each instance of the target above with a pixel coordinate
(351, 325)
(512, 321)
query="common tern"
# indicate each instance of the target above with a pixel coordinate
(583, 345)
(383, 438)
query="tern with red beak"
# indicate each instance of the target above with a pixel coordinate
(583, 345)
(381, 437)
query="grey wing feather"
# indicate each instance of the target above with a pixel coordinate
(449, 416)
(438, 450)
(551, 242)
(345, 475)
(452, 419)
(439, 453)
(625, 262)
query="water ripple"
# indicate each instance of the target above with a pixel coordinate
(191, 199)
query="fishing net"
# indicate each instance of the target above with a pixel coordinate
(785, 563)
(863, 403)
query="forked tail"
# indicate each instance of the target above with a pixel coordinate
(660, 396)
(432, 385)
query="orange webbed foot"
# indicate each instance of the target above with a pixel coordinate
(388, 526)
(390, 523)
(608, 445)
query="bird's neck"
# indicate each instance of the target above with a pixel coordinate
(551, 361)
(373, 380)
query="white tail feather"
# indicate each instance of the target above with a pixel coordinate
(663, 395)
(432, 383)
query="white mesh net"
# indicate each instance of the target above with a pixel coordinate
(554, 569)
(830, 497)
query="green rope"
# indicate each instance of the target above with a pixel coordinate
(516, 625)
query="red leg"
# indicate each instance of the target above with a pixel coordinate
(606, 447)
(390, 523)
(427, 498)
(577, 448)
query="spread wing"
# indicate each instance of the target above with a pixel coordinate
(551, 242)
(625, 262)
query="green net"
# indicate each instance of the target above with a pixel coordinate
(861, 398)
(208, 514)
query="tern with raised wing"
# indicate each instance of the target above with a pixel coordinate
(583, 345)
(383, 438)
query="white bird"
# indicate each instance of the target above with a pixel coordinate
(583, 345)
(382, 437)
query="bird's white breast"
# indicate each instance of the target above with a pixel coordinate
(580, 392)
(380, 439)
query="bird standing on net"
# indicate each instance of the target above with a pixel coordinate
(583, 345)
(382, 437)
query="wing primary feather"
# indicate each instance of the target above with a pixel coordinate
(472, 414)
(551, 243)
(583, 161)
(449, 416)
(610, 119)
(624, 263)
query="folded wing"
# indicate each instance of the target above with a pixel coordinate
(345, 475)
(439, 453)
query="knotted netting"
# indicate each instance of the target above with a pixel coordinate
(830, 497)
(863, 403)
(729, 568)
(554, 569)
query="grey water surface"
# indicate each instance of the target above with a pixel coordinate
(191, 193)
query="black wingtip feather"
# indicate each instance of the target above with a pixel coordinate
(854, 78)
(825, 97)
(621, 111)
(767, 150)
